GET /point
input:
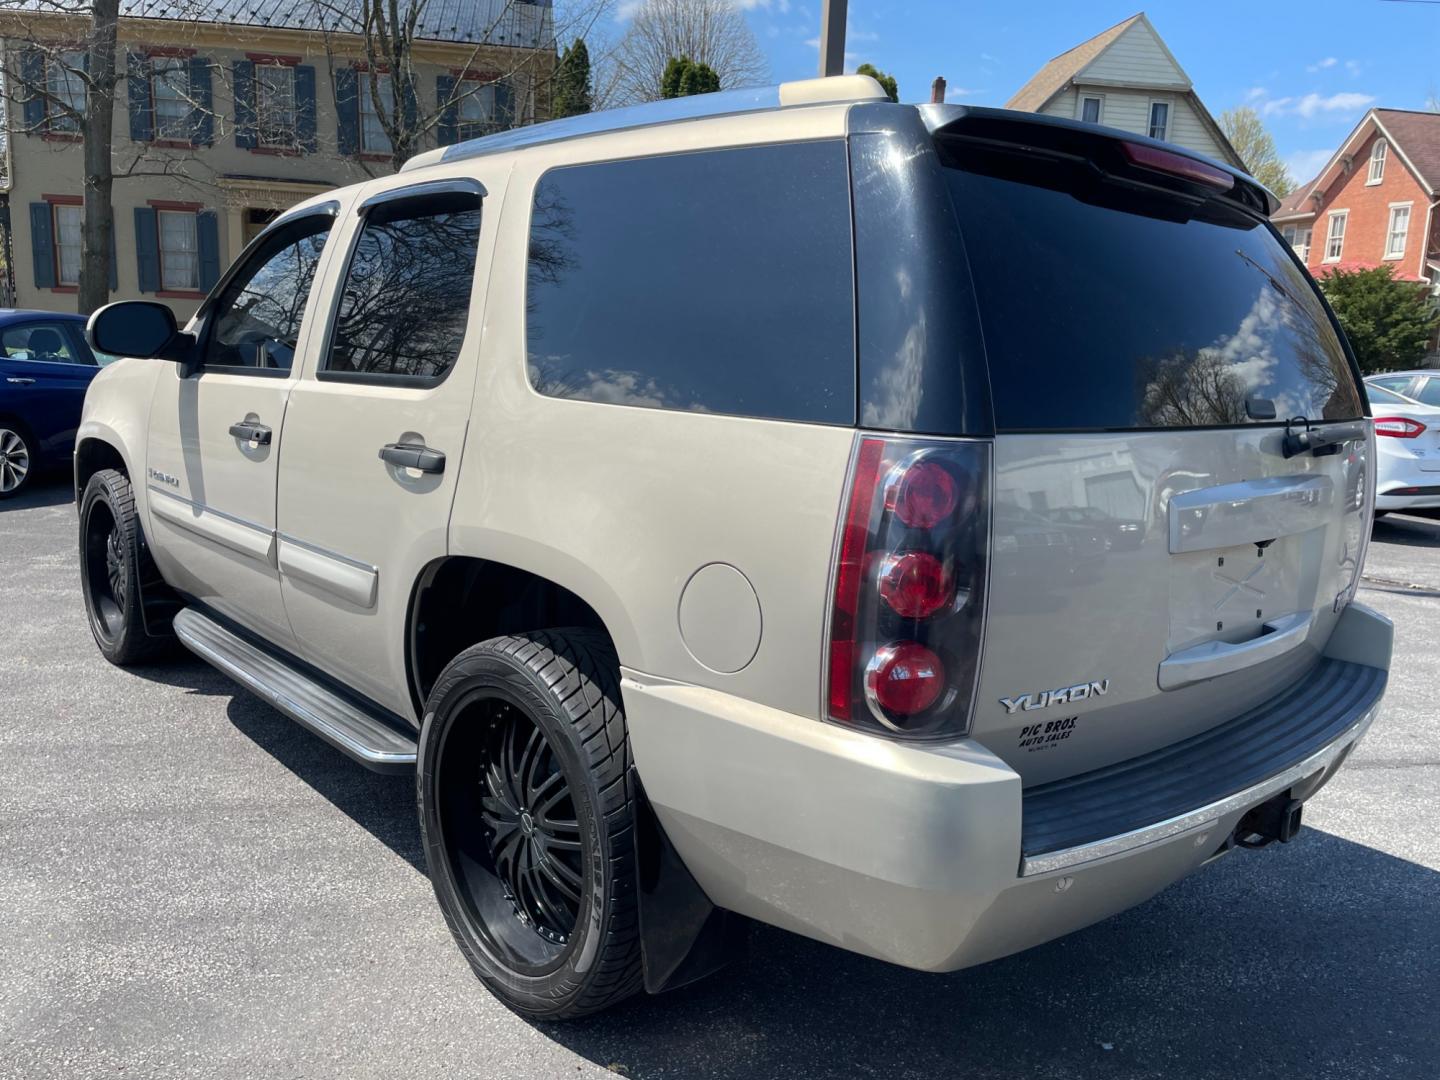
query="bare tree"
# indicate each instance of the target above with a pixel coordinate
(712, 32)
(61, 75)
(494, 89)
(1256, 147)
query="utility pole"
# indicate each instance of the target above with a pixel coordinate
(832, 37)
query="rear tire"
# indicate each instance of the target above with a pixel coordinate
(112, 565)
(527, 799)
(17, 459)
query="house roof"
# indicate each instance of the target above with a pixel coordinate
(1415, 137)
(495, 22)
(1060, 70)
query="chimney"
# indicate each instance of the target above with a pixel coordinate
(937, 90)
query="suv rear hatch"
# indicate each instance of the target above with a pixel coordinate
(1180, 463)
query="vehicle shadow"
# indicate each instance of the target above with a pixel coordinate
(43, 491)
(1315, 958)
(1407, 531)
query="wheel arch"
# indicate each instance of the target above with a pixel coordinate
(459, 600)
(99, 449)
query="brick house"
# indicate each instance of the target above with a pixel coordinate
(1374, 202)
(223, 121)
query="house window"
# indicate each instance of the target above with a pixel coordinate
(1289, 234)
(67, 243)
(1090, 109)
(1302, 243)
(275, 105)
(179, 251)
(477, 112)
(66, 86)
(1159, 119)
(1378, 153)
(1398, 231)
(373, 139)
(170, 93)
(1335, 240)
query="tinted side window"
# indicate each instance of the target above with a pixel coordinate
(712, 282)
(406, 299)
(257, 318)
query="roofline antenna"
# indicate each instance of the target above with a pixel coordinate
(832, 37)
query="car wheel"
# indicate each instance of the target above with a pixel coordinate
(527, 797)
(16, 461)
(111, 570)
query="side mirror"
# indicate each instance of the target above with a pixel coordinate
(140, 328)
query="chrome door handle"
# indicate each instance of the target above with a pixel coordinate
(413, 456)
(21, 382)
(249, 431)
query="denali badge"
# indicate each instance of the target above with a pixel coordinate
(1046, 698)
(164, 478)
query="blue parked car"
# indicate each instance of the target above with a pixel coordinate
(45, 369)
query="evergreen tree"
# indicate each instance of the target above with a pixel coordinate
(684, 77)
(574, 91)
(887, 82)
(1390, 323)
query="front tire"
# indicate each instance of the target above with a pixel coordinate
(111, 568)
(527, 800)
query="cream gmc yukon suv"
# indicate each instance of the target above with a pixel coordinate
(929, 530)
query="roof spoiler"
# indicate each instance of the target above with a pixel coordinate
(1053, 132)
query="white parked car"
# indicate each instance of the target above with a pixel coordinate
(1407, 462)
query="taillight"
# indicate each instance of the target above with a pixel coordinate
(1187, 168)
(1398, 427)
(908, 613)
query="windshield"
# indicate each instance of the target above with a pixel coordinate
(1111, 306)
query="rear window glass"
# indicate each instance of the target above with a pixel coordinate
(1104, 307)
(718, 281)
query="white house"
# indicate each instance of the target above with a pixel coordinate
(1127, 78)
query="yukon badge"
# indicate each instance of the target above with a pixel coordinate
(1045, 698)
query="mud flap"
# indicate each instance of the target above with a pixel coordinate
(683, 936)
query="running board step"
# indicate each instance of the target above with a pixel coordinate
(348, 727)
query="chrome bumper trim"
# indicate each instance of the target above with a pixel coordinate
(1205, 816)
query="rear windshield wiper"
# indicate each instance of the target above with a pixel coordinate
(1319, 441)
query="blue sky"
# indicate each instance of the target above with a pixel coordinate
(1312, 68)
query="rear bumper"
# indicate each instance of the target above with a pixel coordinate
(1424, 494)
(918, 854)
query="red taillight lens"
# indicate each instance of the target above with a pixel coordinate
(914, 541)
(923, 495)
(1398, 427)
(915, 584)
(905, 678)
(1187, 168)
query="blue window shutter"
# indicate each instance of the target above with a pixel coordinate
(202, 108)
(147, 249)
(142, 114)
(207, 233)
(32, 74)
(245, 136)
(42, 244)
(305, 108)
(347, 111)
(114, 260)
(448, 129)
(409, 104)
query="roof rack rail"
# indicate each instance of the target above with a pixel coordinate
(838, 88)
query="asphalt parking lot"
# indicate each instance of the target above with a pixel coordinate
(191, 885)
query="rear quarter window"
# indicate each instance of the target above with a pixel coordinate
(718, 281)
(1104, 307)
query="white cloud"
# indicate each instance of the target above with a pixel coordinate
(1312, 105)
(782, 6)
(628, 9)
(1304, 164)
(961, 91)
(1321, 65)
(1353, 67)
(1255, 93)
(989, 59)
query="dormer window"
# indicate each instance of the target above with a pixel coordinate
(1378, 153)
